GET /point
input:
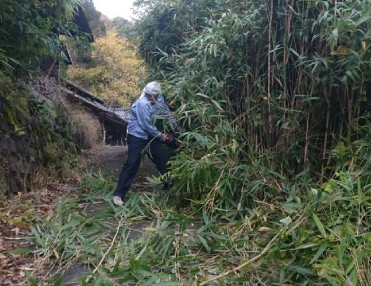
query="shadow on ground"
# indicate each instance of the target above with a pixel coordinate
(110, 160)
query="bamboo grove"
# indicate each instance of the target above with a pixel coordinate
(268, 89)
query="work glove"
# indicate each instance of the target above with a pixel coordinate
(163, 137)
(180, 129)
(172, 142)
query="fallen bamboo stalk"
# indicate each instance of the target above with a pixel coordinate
(299, 221)
(269, 245)
(112, 243)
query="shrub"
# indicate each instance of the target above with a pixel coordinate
(89, 128)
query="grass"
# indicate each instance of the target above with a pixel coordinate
(151, 242)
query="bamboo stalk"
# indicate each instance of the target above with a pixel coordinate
(270, 71)
(121, 222)
(326, 94)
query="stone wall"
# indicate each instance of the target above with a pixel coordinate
(35, 134)
(15, 154)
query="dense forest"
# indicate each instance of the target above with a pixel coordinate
(272, 181)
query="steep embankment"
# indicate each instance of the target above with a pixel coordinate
(38, 134)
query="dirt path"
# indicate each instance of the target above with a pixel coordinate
(109, 160)
(17, 214)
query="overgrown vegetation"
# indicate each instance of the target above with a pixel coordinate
(36, 131)
(266, 90)
(30, 33)
(314, 239)
(35, 138)
(272, 184)
(88, 128)
(274, 96)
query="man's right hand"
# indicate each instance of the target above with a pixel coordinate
(163, 137)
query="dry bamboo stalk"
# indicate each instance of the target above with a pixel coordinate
(122, 219)
(285, 230)
(269, 245)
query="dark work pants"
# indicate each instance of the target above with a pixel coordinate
(156, 152)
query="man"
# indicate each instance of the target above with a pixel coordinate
(143, 133)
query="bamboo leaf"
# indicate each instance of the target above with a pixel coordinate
(286, 220)
(217, 104)
(304, 271)
(59, 281)
(37, 236)
(168, 283)
(204, 243)
(21, 251)
(363, 19)
(320, 226)
(305, 246)
(319, 252)
(71, 224)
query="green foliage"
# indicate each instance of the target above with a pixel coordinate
(42, 136)
(34, 282)
(265, 89)
(29, 32)
(164, 25)
(272, 182)
(323, 237)
(271, 93)
(124, 28)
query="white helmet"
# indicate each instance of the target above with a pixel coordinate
(153, 88)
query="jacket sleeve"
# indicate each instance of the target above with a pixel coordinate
(164, 111)
(144, 120)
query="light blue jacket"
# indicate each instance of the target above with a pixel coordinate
(142, 117)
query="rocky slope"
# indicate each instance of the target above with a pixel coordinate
(37, 134)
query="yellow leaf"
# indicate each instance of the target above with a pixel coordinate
(56, 253)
